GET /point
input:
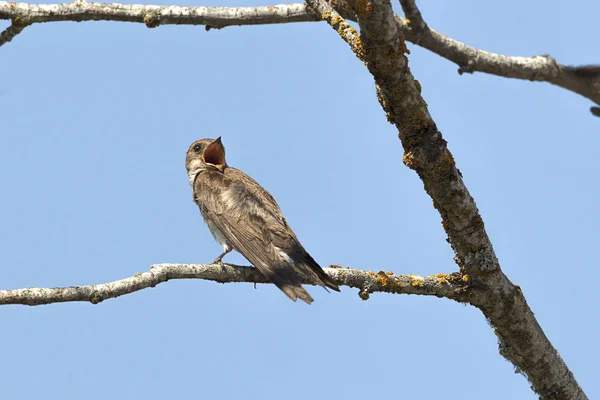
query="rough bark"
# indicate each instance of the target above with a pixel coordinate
(382, 48)
(440, 285)
(469, 59)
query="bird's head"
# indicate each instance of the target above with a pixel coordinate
(205, 154)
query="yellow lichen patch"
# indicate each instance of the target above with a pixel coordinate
(417, 281)
(336, 20)
(371, 273)
(363, 8)
(382, 279)
(326, 16)
(390, 273)
(443, 277)
(465, 278)
(409, 160)
(346, 32)
(356, 45)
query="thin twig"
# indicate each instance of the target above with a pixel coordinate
(13, 30)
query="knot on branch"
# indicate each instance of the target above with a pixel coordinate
(96, 297)
(152, 19)
(467, 68)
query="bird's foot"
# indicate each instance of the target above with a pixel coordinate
(219, 261)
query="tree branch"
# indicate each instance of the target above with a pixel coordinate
(13, 30)
(154, 16)
(413, 17)
(440, 285)
(381, 46)
(469, 59)
(541, 68)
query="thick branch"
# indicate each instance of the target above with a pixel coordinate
(522, 341)
(449, 286)
(469, 59)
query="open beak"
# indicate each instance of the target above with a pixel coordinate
(215, 154)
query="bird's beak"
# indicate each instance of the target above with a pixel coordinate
(215, 154)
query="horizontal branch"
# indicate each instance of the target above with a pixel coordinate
(153, 16)
(441, 285)
(469, 59)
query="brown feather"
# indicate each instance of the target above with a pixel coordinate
(251, 221)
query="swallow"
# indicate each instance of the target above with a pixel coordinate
(243, 216)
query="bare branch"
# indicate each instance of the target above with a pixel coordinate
(441, 285)
(469, 59)
(382, 48)
(13, 30)
(153, 16)
(541, 68)
(413, 17)
(522, 341)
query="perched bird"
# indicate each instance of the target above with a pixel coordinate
(243, 216)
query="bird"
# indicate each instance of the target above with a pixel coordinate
(243, 216)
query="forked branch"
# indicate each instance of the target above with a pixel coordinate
(522, 341)
(469, 59)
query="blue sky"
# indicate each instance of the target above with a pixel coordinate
(96, 120)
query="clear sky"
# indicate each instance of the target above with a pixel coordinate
(96, 120)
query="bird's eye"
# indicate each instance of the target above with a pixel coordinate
(197, 148)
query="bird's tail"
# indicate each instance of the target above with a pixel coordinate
(318, 275)
(326, 279)
(295, 292)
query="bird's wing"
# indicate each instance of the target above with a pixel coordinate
(303, 261)
(251, 229)
(259, 192)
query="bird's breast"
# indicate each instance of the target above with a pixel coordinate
(217, 234)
